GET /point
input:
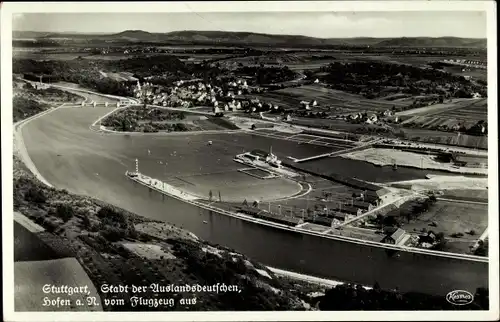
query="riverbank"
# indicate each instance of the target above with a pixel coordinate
(309, 279)
(389, 157)
(147, 181)
(438, 182)
(19, 147)
(157, 230)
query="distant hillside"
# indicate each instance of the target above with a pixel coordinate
(18, 35)
(434, 42)
(251, 38)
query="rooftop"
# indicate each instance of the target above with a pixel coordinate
(398, 234)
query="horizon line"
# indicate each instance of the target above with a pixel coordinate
(251, 32)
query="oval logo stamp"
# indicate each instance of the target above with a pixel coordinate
(459, 297)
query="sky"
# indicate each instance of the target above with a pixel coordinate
(465, 24)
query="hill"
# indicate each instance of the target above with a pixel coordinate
(251, 38)
(434, 42)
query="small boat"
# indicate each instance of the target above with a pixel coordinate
(209, 142)
(205, 222)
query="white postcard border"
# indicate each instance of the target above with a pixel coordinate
(8, 9)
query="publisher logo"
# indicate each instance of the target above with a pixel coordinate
(459, 297)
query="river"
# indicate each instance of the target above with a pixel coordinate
(71, 156)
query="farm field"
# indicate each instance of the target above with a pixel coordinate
(447, 138)
(414, 60)
(463, 111)
(329, 97)
(478, 195)
(437, 109)
(303, 60)
(49, 56)
(199, 57)
(394, 59)
(477, 110)
(310, 65)
(451, 218)
(62, 56)
(474, 73)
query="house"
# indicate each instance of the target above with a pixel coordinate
(349, 209)
(362, 204)
(428, 238)
(372, 119)
(395, 238)
(321, 220)
(289, 221)
(338, 216)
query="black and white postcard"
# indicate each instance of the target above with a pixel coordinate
(250, 161)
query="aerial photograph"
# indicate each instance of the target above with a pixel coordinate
(250, 161)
